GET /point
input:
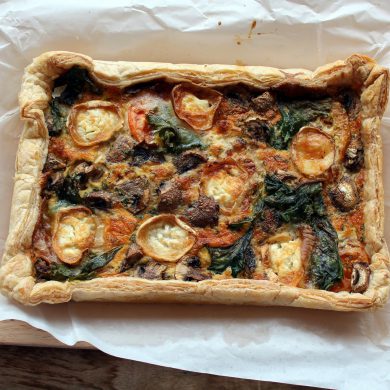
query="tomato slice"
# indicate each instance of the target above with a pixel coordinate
(139, 126)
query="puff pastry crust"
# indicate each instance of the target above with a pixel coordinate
(16, 273)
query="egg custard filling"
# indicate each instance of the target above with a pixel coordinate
(168, 180)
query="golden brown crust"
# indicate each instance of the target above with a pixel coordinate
(16, 273)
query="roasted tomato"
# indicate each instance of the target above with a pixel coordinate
(138, 124)
(195, 105)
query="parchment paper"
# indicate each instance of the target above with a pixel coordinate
(336, 350)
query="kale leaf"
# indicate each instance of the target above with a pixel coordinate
(237, 256)
(86, 270)
(295, 115)
(58, 118)
(170, 132)
(76, 81)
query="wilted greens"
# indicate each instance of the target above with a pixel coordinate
(170, 132)
(76, 81)
(237, 256)
(58, 116)
(301, 204)
(295, 115)
(84, 271)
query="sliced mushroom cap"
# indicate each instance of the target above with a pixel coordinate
(263, 102)
(360, 277)
(204, 212)
(312, 151)
(354, 155)
(344, 195)
(188, 160)
(133, 254)
(74, 232)
(189, 270)
(99, 199)
(195, 105)
(151, 270)
(120, 149)
(170, 197)
(134, 194)
(255, 128)
(94, 122)
(165, 237)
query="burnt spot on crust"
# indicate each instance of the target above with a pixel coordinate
(204, 212)
(188, 160)
(170, 197)
(134, 194)
(121, 149)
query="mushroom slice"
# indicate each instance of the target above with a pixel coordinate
(345, 194)
(74, 232)
(226, 182)
(94, 122)
(189, 270)
(165, 237)
(360, 277)
(312, 151)
(195, 105)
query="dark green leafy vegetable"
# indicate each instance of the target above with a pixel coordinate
(58, 117)
(304, 204)
(237, 256)
(72, 185)
(173, 136)
(256, 212)
(76, 81)
(86, 270)
(295, 205)
(325, 268)
(295, 115)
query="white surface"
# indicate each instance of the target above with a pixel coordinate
(344, 351)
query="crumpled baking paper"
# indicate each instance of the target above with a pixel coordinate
(325, 349)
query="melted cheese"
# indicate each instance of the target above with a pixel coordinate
(192, 105)
(92, 124)
(286, 261)
(165, 237)
(225, 187)
(312, 151)
(74, 233)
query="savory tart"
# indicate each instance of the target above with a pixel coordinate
(199, 183)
